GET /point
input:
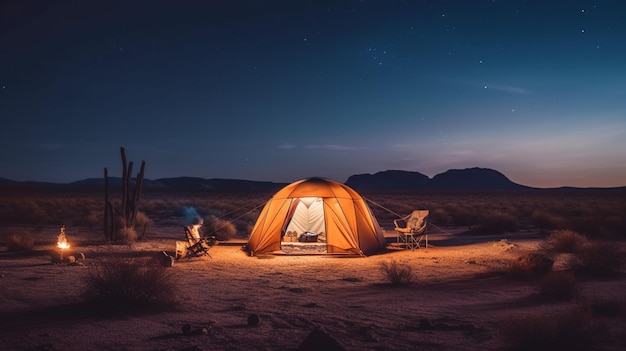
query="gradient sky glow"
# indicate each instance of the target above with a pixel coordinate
(284, 90)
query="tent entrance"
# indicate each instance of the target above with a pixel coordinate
(304, 229)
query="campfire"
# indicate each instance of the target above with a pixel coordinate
(62, 240)
(59, 255)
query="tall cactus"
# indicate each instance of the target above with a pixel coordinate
(130, 199)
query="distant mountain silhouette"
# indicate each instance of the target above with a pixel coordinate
(389, 180)
(455, 179)
(188, 184)
(469, 179)
(473, 179)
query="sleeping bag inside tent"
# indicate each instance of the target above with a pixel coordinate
(316, 215)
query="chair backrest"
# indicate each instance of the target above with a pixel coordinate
(418, 220)
(192, 233)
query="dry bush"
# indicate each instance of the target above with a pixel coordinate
(463, 216)
(564, 241)
(130, 286)
(142, 222)
(439, 216)
(21, 241)
(221, 229)
(614, 224)
(127, 235)
(571, 329)
(496, 222)
(560, 285)
(533, 265)
(598, 259)
(249, 228)
(544, 220)
(396, 273)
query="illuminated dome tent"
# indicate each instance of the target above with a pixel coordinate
(320, 213)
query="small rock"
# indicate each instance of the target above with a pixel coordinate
(166, 260)
(319, 339)
(186, 329)
(253, 320)
(425, 324)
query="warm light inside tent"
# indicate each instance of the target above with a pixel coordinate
(307, 201)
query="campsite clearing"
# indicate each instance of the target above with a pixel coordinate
(456, 302)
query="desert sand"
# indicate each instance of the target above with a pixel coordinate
(457, 301)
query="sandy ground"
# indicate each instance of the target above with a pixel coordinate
(455, 290)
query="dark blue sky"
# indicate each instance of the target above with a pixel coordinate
(284, 90)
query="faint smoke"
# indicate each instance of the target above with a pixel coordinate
(191, 216)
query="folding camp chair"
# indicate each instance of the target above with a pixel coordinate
(195, 246)
(411, 235)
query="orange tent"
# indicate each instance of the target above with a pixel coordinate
(317, 211)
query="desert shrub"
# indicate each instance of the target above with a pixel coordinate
(127, 285)
(533, 265)
(142, 222)
(439, 216)
(123, 233)
(249, 228)
(21, 241)
(615, 224)
(560, 285)
(545, 220)
(571, 329)
(598, 258)
(396, 273)
(127, 235)
(496, 222)
(462, 216)
(564, 241)
(221, 229)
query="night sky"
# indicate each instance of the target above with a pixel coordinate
(284, 90)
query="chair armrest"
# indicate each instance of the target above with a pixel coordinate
(395, 222)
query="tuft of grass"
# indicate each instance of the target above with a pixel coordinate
(572, 329)
(129, 286)
(533, 265)
(564, 241)
(598, 259)
(21, 241)
(559, 286)
(397, 274)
